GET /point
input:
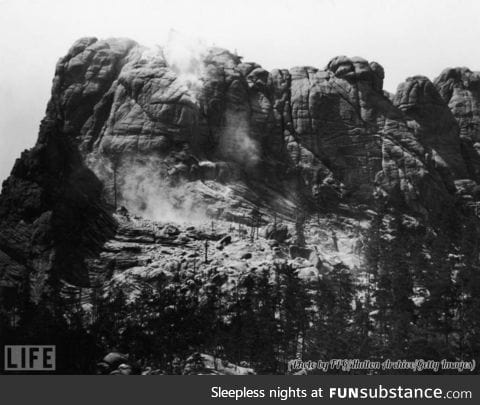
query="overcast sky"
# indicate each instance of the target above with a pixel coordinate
(407, 37)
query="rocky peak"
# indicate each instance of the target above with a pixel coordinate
(460, 89)
(127, 126)
(357, 69)
(434, 124)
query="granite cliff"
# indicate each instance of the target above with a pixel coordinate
(139, 161)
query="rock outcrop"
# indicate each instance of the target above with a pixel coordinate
(460, 90)
(124, 126)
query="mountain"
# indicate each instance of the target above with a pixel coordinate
(147, 170)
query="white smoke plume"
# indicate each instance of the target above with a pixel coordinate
(184, 56)
(235, 141)
(152, 193)
(154, 54)
(150, 188)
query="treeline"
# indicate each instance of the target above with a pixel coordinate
(263, 320)
(425, 286)
(418, 297)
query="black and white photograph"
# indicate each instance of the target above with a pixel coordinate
(268, 187)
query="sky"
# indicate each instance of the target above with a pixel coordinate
(407, 37)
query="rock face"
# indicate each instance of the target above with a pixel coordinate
(460, 90)
(122, 121)
(51, 214)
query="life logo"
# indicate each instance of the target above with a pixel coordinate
(29, 358)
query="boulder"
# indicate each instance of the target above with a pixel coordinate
(245, 256)
(298, 251)
(277, 232)
(226, 240)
